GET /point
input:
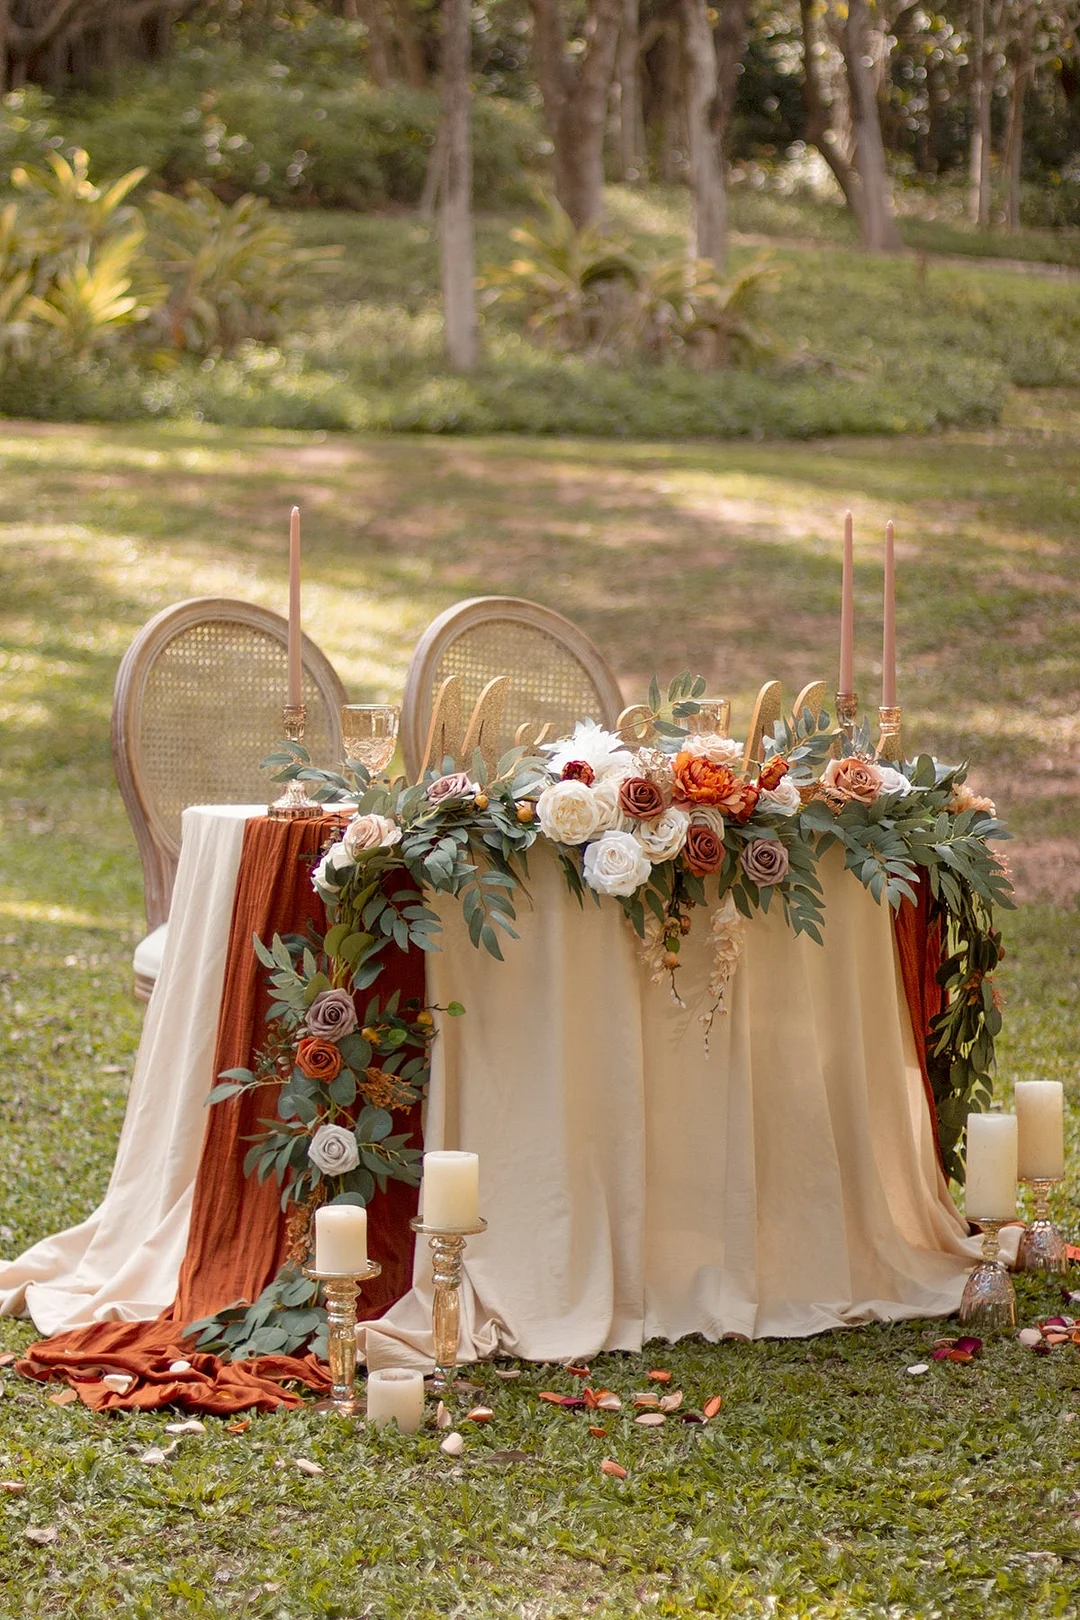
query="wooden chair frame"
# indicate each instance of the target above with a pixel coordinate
(158, 847)
(423, 672)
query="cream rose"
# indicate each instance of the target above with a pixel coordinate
(568, 812)
(336, 859)
(616, 864)
(783, 799)
(367, 833)
(707, 815)
(333, 1150)
(716, 749)
(663, 838)
(609, 812)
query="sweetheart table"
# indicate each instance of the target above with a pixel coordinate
(635, 1186)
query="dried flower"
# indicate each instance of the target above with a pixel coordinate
(578, 770)
(703, 783)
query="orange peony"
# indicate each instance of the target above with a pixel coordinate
(318, 1059)
(701, 782)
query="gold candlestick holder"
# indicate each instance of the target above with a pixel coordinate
(847, 714)
(342, 1289)
(294, 804)
(1043, 1246)
(890, 749)
(989, 1301)
(447, 1249)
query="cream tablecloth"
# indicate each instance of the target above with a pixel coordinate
(634, 1187)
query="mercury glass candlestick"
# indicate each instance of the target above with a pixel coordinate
(342, 1289)
(447, 1249)
(1043, 1246)
(889, 747)
(989, 1302)
(294, 804)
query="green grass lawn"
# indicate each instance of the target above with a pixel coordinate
(833, 1483)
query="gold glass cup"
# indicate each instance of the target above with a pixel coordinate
(712, 719)
(369, 733)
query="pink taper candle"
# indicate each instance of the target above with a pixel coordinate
(847, 612)
(295, 697)
(888, 646)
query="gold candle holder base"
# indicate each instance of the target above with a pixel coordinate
(294, 804)
(342, 1289)
(989, 1301)
(447, 1250)
(890, 749)
(1042, 1247)
(847, 715)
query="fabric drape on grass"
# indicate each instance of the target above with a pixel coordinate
(237, 1238)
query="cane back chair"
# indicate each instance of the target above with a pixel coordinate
(556, 674)
(197, 705)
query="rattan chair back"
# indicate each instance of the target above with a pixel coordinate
(556, 674)
(197, 705)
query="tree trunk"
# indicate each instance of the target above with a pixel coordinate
(819, 130)
(979, 156)
(630, 151)
(410, 48)
(455, 208)
(729, 43)
(880, 233)
(670, 107)
(1020, 62)
(373, 17)
(708, 236)
(574, 90)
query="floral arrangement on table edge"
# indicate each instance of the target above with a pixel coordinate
(664, 826)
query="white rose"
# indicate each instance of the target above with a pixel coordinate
(616, 864)
(365, 833)
(716, 749)
(333, 1150)
(893, 781)
(568, 812)
(663, 838)
(783, 799)
(609, 817)
(336, 859)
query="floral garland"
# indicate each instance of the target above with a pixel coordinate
(664, 824)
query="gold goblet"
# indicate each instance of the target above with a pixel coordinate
(369, 732)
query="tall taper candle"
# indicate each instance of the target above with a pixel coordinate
(847, 612)
(295, 696)
(990, 1193)
(888, 643)
(1041, 1128)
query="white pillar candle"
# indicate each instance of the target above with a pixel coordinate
(990, 1193)
(451, 1190)
(341, 1238)
(1040, 1120)
(395, 1393)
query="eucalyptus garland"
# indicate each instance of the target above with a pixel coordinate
(667, 822)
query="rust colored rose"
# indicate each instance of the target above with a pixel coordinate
(703, 850)
(851, 781)
(318, 1059)
(642, 799)
(578, 770)
(772, 773)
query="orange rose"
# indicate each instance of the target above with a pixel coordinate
(772, 773)
(318, 1059)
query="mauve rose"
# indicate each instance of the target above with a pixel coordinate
(703, 850)
(851, 780)
(640, 798)
(457, 785)
(333, 1150)
(765, 862)
(331, 1015)
(578, 770)
(772, 772)
(317, 1058)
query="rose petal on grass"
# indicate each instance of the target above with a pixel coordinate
(659, 1376)
(189, 1426)
(608, 1401)
(240, 1427)
(1030, 1337)
(8, 1359)
(650, 1420)
(63, 1397)
(453, 1445)
(119, 1383)
(507, 1372)
(645, 1398)
(918, 1368)
(672, 1402)
(962, 1356)
(713, 1405)
(42, 1538)
(969, 1346)
(479, 1414)
(153, 1456)
(306, 1466)
(569, 1401)
(577, 1372)
(596, 1430)
(443, 1420)
(614, 1469)
(12, 1486)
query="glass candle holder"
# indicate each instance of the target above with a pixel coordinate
(294, 804)
(1043, 1246)
(712, 718)
(989, 1300)
(447, 1251)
